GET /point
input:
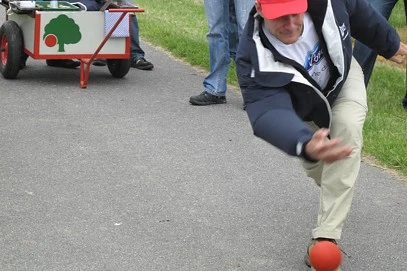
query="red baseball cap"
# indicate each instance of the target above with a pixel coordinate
(273, 9)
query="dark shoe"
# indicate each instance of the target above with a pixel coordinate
(311, 244)
(404, 101)
(22, 65)
(63, 63)
(23, 62)
(99, 62)
(142, 64)
(206, 98)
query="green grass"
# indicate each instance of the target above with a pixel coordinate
(179, 27)
(398, 16)
(385, 130)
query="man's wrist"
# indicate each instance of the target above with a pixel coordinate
(300, 150)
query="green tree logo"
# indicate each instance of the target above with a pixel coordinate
(61, 30)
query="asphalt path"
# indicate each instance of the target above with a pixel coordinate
(126, 175)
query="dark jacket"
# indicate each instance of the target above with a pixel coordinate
(278, 93)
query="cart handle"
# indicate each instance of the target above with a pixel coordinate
(126, 9)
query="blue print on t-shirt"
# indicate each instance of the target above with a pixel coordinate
(313, 57)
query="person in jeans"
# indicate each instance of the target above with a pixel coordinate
(220, 15)
(363, 54)
(305, 94)
(137, 54)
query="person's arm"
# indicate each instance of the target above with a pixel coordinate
(372, 29)
(274, 120)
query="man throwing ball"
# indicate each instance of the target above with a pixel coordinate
(305, 94)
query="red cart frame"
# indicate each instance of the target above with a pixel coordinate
(26, 31)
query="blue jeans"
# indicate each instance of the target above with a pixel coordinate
(221, 48)
(363, 54)
(135, 50)
(233, 32)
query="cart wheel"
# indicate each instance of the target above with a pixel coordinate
(118, 67)
(11, 49)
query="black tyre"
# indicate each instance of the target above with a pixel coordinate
(118, 67)
(11, 49)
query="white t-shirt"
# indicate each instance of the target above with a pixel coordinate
(306, 51)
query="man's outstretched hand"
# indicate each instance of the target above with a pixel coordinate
(399, 56)
(328, 151)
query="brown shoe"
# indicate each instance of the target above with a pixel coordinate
(311, 244)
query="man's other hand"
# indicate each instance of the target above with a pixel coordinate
(321, 149)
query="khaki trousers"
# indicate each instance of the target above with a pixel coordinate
(337, 180)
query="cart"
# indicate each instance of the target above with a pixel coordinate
(66, 32)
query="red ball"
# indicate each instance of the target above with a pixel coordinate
(325, 256)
